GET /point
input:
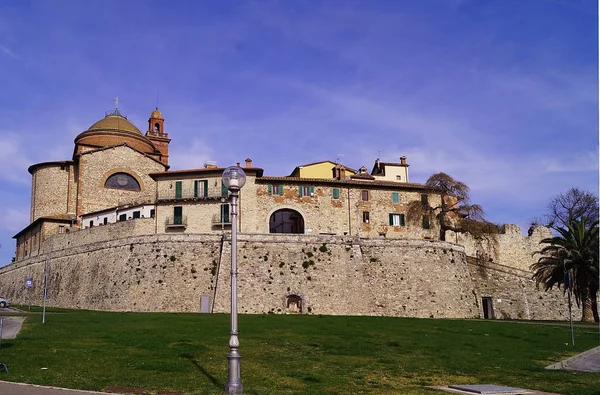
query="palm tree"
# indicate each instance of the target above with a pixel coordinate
(575, 250)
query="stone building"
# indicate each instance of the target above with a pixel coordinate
(328, 239)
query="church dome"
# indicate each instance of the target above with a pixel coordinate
(114, 129)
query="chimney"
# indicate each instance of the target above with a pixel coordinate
(248, 162)
(209, 164)
(238, 164)
(362, 170)
(403, 160)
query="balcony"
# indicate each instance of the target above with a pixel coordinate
(176, 222)
(187, 196)
(221, 220)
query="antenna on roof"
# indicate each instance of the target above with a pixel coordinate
(338, 158)
(379, 152)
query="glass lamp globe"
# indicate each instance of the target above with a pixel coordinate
(234, 178)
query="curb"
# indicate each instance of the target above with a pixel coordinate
(34, 386)
(566, 362)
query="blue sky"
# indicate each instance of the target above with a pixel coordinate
(500, 94)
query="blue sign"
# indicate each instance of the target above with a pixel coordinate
(29, 283)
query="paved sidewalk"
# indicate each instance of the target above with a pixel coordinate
(7, 388)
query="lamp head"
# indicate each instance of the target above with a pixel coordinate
(234, 178)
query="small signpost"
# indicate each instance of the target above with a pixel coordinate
(28, 285)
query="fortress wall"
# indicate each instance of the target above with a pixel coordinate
(112, 268)
(341, 275)
(515, 295)
(512, 248)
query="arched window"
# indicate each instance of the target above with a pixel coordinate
(122, 181)
(286, 221)
(157, 127)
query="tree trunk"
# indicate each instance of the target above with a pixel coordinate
(587, 308)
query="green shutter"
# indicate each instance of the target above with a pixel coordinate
(177, 189)
(195, 188)
(205, 182)
(270, 189)
(391, 219)
(280, 189)
(424, 200)
(225, 213)
(402, 223)
(312, 190)
(224, 190)
(336, 193)
(426, 224)
(300, 191)
(395, 197)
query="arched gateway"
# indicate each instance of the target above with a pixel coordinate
(286, 221)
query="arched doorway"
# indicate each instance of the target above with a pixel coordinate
(294, 304)
(286, 221)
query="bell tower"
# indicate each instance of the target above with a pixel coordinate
(156, 134)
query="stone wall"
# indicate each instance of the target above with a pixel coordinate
(125, 267)
(510, 247)
(50, 190)
(97, 166)
(514, 294)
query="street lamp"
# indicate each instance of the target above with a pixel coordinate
(234, 179)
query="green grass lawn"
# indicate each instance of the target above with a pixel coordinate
(291, 354)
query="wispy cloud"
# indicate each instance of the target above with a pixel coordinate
(7, 51)
(13, 159)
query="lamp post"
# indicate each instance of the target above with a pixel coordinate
(234, 179)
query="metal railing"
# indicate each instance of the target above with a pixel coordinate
(176, 221)
(171, 195)
(221, 219)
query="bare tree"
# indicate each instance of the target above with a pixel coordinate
(455, 211)
(573, 205)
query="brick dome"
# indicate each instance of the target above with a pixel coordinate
(114, 129)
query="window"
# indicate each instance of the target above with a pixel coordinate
(306, 191)
(122, 181)
(136, 214)
(61, 229)
(224, 190)
(336, 193)
(91, 224)
(123, 217)
(200, 188)
(156, 127)
(397, 220)
(152, 213)
(177, 189)
(366, 217)
(225, 214)
(426, 224)
(395, 197)
(177, 215)
(424, 200)
(364, 194)
(275, 189)
(398, 178)
(105, 220)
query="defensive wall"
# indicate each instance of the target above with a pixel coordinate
(126, 266)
